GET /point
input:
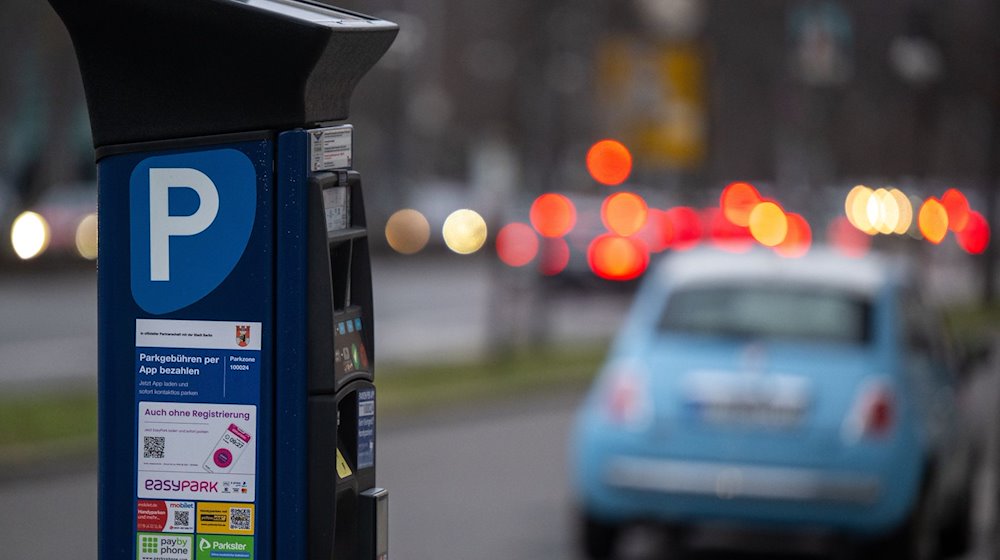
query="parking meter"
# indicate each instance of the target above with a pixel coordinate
(236, 343)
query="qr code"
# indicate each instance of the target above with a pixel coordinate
(239, 519)
(182, 518)
(153, 447)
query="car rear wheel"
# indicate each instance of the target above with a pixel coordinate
(599, 539)
(916, 539)
(956, 534)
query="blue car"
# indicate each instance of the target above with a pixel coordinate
(792, 395)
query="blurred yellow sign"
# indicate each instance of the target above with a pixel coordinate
(655, 94)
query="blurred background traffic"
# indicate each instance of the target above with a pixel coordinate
(525, 164)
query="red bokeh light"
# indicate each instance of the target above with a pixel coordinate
(726, 235)
(624, 213)
(797, 240)
(554, 256)
(687, 227)
(553, 215)
(975, 236)
(658, 233)
(609, 162)
(737, 201)
(617, 258)
(957, 206)
(517, 244)
(848, 239)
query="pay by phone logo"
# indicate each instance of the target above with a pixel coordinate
(191, 218)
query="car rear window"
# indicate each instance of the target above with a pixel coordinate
(769, 313)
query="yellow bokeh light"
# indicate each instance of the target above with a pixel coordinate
(407, 231)
(905, 211)
(29, 235)
(464, 232)
(856, 207)
(887, 211)
(768, 224)
(86, 237)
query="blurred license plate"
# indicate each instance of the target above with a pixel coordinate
(777, 401)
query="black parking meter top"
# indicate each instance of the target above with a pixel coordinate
(165, 69)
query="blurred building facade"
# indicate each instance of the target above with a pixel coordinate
(485, 100)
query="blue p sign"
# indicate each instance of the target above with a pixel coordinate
(191, 218)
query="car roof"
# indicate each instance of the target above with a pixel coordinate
(821, 267)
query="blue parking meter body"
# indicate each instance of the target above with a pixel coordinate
(236, 348)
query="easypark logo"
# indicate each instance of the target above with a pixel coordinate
(168, 485)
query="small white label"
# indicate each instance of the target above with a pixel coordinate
(331, 147)
(178, 333)
(337, 203)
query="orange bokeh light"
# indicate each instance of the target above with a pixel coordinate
(609, 162)
(798, 240)
(517, 244)
(737, 201)
(933, 220)
(975, 236)
(624, 213)
(617, 258)
(957, 206)
(552, 215)
(768, 223)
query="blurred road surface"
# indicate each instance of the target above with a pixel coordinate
(428, 307)
(485, 483)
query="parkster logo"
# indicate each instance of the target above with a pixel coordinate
(191, 218)
(211, 547)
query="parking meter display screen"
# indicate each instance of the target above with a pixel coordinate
(350, 353)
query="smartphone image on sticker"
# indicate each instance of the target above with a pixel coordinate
(227, 451)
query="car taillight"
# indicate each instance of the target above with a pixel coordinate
(874, 413)
(879, 413)
(627, 401)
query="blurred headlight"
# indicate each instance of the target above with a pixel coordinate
(86, 237)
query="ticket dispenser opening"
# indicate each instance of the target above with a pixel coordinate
(234, 283)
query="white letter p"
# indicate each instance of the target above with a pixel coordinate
(163, 226)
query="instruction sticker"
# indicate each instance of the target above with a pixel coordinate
(366, 428)
(192, 451)
(337, 205)
(197, 361)
(330, 148)
(343, 469)
(225, 518)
